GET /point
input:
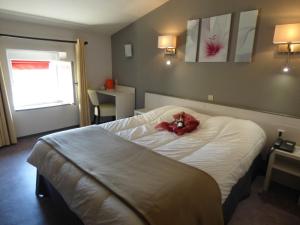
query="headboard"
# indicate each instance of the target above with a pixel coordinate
(269, 122)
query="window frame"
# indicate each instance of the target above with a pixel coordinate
(46, 105)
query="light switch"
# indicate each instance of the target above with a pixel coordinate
(210, 98)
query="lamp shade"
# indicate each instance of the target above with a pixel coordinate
(288, 33)
(167, 41)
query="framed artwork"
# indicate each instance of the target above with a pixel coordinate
(246, 36)
(192, 40)
(214, 38)
(128, 50)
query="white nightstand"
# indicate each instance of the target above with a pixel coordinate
(285, 162)
(140, 111)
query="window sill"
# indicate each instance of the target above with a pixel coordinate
(36, 107)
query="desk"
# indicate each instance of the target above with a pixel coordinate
(124, 100)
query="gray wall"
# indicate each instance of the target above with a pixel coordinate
(259, 85)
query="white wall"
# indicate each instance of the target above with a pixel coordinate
(98, 58)
(98, 67)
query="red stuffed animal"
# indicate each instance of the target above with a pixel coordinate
(183, 123)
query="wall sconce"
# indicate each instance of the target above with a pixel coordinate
(287, 37)
(167, 42)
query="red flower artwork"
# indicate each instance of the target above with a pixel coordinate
(212, 48)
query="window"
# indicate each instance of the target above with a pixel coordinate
(39, 79)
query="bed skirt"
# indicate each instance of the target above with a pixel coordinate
(240, 191)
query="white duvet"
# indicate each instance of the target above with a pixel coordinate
(223, 147)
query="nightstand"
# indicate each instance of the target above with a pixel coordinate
(140, 111)
(285, 162)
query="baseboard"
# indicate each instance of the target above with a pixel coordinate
(49, 132)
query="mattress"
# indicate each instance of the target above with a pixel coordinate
(224, 147)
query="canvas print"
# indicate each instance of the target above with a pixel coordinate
(214, 38)
(192, 40)
(246, 35)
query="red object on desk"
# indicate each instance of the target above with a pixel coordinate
(109, 84)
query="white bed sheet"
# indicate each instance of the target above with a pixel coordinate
(224, 147)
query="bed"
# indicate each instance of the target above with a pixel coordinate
(225, 148)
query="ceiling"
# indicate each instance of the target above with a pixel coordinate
(105, 16)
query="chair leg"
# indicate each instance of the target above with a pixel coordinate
(98, 117)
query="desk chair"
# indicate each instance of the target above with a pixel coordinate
(103, 109)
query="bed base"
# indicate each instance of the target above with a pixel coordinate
(45, 190)
(240, 191)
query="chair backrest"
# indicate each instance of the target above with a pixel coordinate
(93, 97)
